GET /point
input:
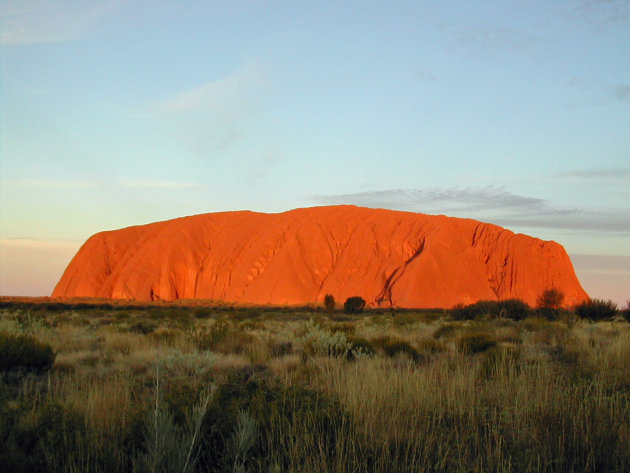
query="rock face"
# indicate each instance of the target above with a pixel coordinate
(387, 257)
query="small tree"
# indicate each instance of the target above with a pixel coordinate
(354, 305)
(550, 302)
(329, 303)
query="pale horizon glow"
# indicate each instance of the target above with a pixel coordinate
(116, 113)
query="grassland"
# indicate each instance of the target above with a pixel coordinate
(184, 389)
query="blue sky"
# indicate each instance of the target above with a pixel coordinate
(115, 113)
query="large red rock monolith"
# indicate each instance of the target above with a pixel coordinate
(387, 257)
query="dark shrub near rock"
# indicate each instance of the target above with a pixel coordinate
(596, 309)
(354, 305)
(514, 309)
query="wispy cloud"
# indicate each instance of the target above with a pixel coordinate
(57, 184)
(425, 74)
(602, 12)
(491, 37)
(491, 204)
(46, 21)
(213, 117)
(602, 264)
(38, 243)
(622, 92)
(442, 199)
(604, 174)
(237, 88)
(53, 184)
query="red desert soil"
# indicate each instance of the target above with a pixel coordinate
(387, 257)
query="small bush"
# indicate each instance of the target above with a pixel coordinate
(445, 331)
(143, 327)
(549, 303)
(40, 439)
(626, 312)
(208, 339)
(514, 309)
(432, 347)
(405, 318)
(283, 415)
(343, 327)
(22, 352)
(474, 343)
(473, 311)
(360, 347)
(354, 305)
(380, 342)
(246, 314)
(396, 347)
(318, 341)
(202, 313)
(329, 303)
(596, 309)
(279, 349)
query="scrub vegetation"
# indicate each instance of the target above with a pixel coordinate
(491, 387)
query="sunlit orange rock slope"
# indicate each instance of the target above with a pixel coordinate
(387, 257)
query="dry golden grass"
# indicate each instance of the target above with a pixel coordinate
(550, 396)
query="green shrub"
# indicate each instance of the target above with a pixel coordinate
(474, 343)
(316, 340)
(354, 305)
(22, 352)
(596, 309)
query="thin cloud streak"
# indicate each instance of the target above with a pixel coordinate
(604, 12)
(159, 185)
(612, 173)
(53, 184)
(237, 87)
(495, 37)
(492, 204)
(38, 243)
(84, 185)
(487, 198)
(214, 117)
(622, 92)
(51, 21)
